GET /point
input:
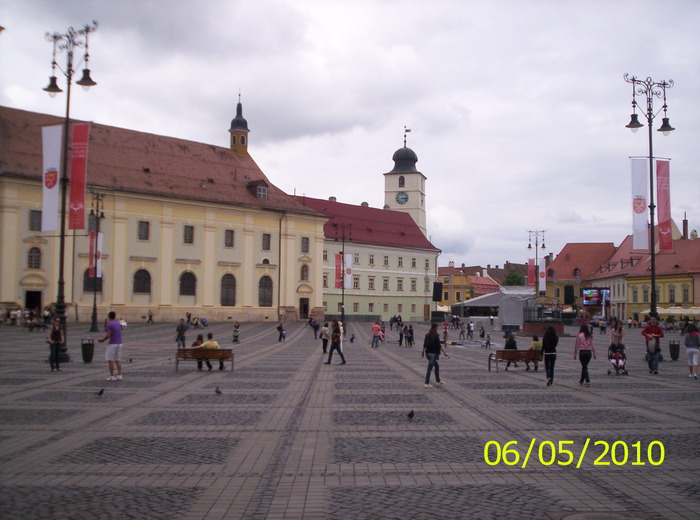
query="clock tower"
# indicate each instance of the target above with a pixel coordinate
(404, 186)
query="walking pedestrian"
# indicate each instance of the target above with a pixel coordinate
(550, 340)
(585, 349)
(180, 333)
(55, 339)
(150, 317)
(692, 343)
(336, 336)
(325, 336)
(432, 349)
(653, 333)
(376, 331)
(113, 353)
(280, 329)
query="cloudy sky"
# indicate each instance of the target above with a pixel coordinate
(517, 107)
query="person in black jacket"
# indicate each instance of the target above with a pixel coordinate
(549, 348)
(511, 344)
(432, 349)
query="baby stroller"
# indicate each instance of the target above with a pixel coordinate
(618, 360)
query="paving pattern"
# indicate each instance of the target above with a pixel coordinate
(288, 437)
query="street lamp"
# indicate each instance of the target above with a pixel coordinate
(536, 233)
(343, 228)
(68, 42)
(96, 215)
(650, 89)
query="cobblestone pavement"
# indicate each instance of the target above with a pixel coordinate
(291, 438)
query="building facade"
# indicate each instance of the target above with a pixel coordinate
(188, 227)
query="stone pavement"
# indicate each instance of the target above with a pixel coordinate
(292, 438)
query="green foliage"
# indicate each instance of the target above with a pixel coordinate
(514, 278)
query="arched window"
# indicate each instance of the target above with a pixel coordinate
(243, 140)
(34, 258)
(188, 284)
(142, 282)
(402, 181)
(228, 290)
(304, 273)
(233, 140)
(577, 272)
(266, 261)
(89, 283)
(265, 292)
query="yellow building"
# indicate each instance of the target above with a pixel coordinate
(188, 227)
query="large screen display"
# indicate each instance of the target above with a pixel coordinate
(595, 297)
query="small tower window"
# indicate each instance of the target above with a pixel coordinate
(243, 140)
(402, 182)
(233, 140)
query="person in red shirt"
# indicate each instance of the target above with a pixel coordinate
(376, 330)
(652, 333)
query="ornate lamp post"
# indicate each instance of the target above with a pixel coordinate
(97, 214)
(650, 89)
(536, 233)
(68, 42)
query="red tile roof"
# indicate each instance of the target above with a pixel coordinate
(620, 263)
(137, 162)
(586, 257)
(367, 225)
(684, 259)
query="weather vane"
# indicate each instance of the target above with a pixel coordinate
(405, 131)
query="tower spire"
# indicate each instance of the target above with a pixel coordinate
(405, 131)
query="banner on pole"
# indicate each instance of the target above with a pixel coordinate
(531, 272)
(78, 173)
(640, 233)
(338, 271)
(51, 176)
(663, 190)
(348, 270)
(543, 274)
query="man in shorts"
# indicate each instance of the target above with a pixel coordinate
(113, 354)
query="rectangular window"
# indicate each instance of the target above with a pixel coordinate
(144, 231)
(262, 192)
(386, 261)
(355, 282)
(304, 244)
(557, 292)
(447, 296)
(386, 307)
(686, 294)
(266, 238)
(400, 308)
(34, 220)
(189, 235)
(414, 285)
(385, 284)
(413, 308)
(427, 263)
(355, 307)
(371, 259)
(399, 284)
(458, 296)
(400, 261)
(645, 295)
(325, 280)
(370, 307)
(228, 238)
(325, 255)
(413, 263)
(370, 285)
(672, 294)
(426, 285)
(356, 258)
(325, 306)
(635, 295)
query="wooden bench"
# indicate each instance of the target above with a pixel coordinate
(514, 355)
(200, 354)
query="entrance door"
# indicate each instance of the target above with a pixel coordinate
(304, 308)
(32, 300)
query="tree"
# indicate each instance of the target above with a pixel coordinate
(514, 278)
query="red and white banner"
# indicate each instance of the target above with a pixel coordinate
(543, 274)
(91, 265)
(640, 232)
(664, 195)
(348, 270)
(78, 172)
(338, 271)
(531, 272)
(51, 176)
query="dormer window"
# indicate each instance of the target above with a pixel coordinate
(262, 193)
(577, 271)
(258, 189)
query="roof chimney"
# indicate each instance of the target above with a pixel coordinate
(685, 226)
(332, 199)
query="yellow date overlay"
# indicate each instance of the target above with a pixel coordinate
(548, 453)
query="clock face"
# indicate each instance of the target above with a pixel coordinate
(402, 197)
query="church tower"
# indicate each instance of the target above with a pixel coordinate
(239, 131)
(404, 186)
